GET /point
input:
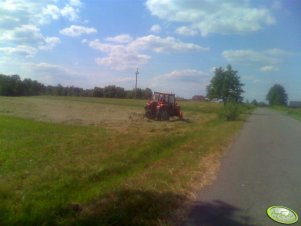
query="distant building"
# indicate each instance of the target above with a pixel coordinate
(294, 104)
(216, 100)
(198, 97)
(180, 98)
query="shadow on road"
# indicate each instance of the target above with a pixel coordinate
(216, 213)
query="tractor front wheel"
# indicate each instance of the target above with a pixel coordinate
(148, 114)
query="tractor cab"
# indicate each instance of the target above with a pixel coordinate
(162, 106)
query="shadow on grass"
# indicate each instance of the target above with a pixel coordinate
(187, 120)
(132, 208)
(172, 119)
(216, 213)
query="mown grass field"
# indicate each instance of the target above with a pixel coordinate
(92, 161)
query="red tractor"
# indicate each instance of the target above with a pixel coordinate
(162, 106)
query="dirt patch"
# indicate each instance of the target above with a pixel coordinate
(205, 176)
(209, 167)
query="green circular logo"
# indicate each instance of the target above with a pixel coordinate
(282, 214)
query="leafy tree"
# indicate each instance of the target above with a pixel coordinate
(15, 85)
(225, 85)
(4, 85)
(139, 94)
(74, 91)
(119, 92)
(147, 93)
(61, 90)
(254, 102)
(98, 92)
(277, 95)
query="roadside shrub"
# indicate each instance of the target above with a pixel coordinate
(230, 112)
(247, 108)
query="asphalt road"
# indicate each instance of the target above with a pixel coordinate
(262, 168)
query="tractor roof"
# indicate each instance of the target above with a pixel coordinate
(169, 94)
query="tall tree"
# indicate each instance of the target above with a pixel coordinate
(225, 85)
(277, 95)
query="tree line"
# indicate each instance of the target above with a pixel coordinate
(226, 85)
(14, 86)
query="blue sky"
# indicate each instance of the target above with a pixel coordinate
(175, 44)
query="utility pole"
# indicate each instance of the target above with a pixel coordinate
(137, 72)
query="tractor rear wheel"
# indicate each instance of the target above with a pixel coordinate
(164, 115)
(158, 115)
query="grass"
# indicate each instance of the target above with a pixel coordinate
(74, 162)
(293, 112)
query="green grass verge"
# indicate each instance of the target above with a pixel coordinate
(293, 112)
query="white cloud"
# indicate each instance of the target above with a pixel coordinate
(53, 73)
(185, 82)
(75, 30)
(20, 50)
(9, 5)
(269, 68)
(267, 60)
(52, 11)
(278, 52)
(246, 56)
(15, 13)
(123, 60)
(76, 3)
(166, 45)
(191, 75)
(107, 47)
(49, 12)
(46, 68)
(124, 79)
(21, 24)
(184, 30)
(50, 43)
(124, 38)
(28, 35)
(208, 17)
(70, 12)
(270, 56)
(121, 56)
(156, 28)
